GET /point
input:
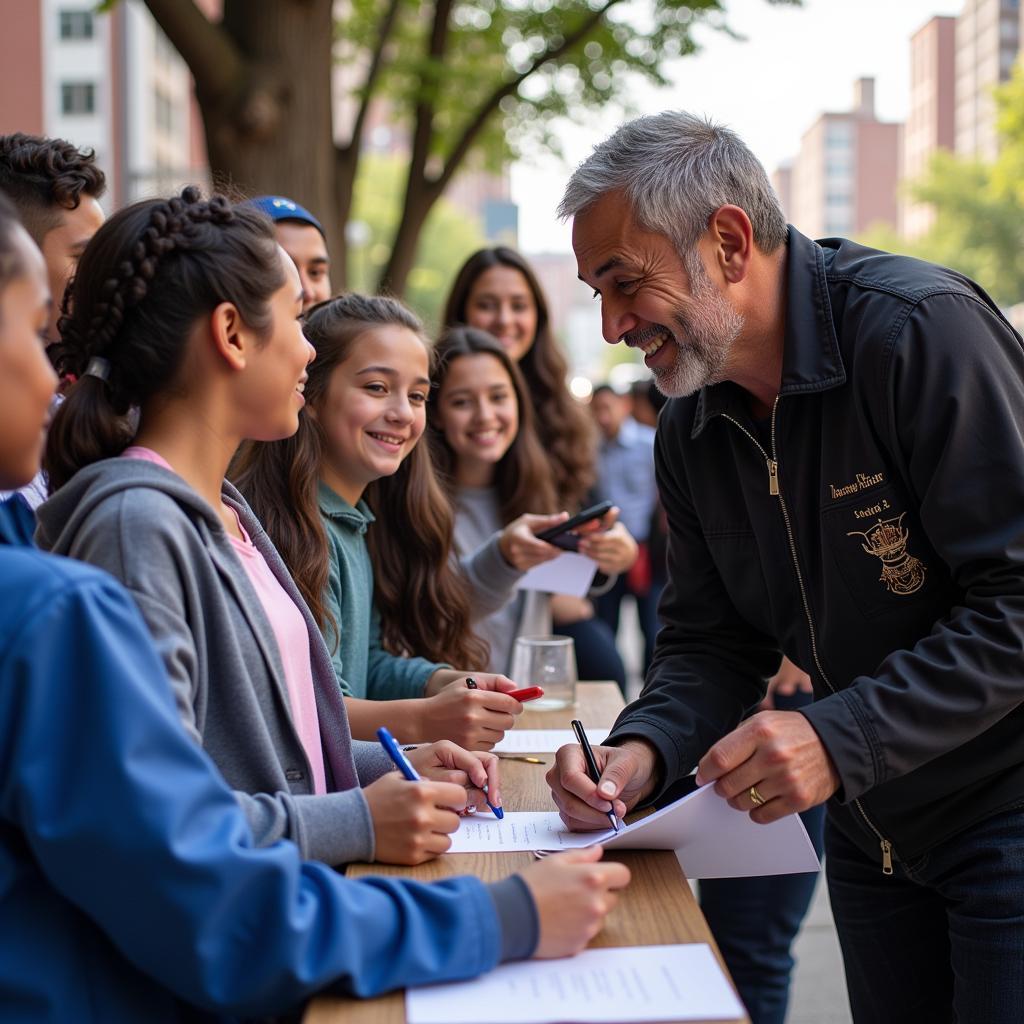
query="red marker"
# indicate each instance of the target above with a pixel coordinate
(528, 693)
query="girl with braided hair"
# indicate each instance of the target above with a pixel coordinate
(354, 506)
(184, 331)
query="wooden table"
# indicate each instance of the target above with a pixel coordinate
(658, 907)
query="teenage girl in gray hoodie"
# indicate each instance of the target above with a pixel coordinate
(184, 333)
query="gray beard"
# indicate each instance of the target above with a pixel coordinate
(710, 327)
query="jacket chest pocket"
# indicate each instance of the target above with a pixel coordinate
(739, 562)
(880, 551)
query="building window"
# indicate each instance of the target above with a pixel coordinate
(838, 135)
(77, 98)
(164, 50)
(164, 112)
(76, 25)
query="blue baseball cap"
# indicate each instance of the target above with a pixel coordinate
(281, 208)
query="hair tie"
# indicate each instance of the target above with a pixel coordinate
(98, 367)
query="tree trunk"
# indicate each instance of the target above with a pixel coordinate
(420, 197)
(274, 133)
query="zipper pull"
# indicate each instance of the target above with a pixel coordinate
(886, 857)
(773, 477)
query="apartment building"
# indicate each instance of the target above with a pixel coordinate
(844, 178)
(108, 81)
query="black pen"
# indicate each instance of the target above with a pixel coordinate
(588, 756)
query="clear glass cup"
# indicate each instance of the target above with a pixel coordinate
(548, 662)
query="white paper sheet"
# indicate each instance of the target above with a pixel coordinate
(721, 842)
(544, 741)
(710, 838)
(569, 573)
(598, 986)
(518, 830)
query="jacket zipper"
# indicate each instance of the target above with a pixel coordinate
(772, 463)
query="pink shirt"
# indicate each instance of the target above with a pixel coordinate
(290, 632)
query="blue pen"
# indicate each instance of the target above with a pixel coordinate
(498, 812)
(387, 741)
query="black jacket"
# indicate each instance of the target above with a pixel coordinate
(889, 565)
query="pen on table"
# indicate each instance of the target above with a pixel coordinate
(588, 756)
(387, 741)
(520, 757)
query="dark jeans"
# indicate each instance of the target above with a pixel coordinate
(942, 938)
(597, 657)
(609, 603)
(755, 920)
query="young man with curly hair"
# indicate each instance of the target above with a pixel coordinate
(55, 188)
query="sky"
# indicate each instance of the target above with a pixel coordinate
(792, 64)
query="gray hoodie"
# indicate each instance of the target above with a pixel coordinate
(149, 529)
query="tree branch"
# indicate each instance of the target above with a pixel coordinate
(216, 63)
(423, 129)
(490, 105)
(387, 25)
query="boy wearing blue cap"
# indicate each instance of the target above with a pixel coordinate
(302, 236)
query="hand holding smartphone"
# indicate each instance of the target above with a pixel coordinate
(561, 536)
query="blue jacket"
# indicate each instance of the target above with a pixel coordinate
(130, 888)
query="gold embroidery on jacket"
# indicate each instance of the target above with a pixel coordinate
(864, 482)
(902, 573)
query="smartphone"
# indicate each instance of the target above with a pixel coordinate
(557, 534)
(527, 693)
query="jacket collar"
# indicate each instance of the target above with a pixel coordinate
(811, 360)
(334, 506)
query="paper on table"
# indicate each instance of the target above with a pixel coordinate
(569, 573)
(710, 838)
(597, 986)
(518, 830)
(542, 741)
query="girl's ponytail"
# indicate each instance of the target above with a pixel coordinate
(85, 429)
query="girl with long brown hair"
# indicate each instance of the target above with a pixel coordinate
(493, 464)
(352, 503)
(497, 291)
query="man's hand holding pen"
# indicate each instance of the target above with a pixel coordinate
(628, 775)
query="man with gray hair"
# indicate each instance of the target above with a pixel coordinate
(842, 467)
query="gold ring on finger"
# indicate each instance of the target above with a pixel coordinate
(755, 796)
